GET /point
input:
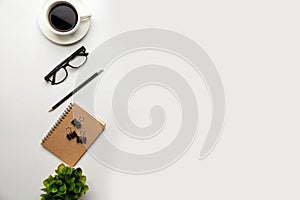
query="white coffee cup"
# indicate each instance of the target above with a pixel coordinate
(63, 9)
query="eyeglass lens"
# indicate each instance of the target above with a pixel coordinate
(59, 76)
(78, 61)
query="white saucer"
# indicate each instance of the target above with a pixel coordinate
(63, 39)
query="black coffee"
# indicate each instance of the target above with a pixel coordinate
(63, 17)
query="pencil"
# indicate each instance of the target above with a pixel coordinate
(75, 90)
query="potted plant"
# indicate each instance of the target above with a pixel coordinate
(67, 184)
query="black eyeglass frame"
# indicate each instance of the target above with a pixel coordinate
(80, 52)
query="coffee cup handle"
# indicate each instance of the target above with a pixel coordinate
(85, 17)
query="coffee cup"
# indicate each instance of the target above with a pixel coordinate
(64, 16)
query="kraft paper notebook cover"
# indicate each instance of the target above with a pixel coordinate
(86, 126)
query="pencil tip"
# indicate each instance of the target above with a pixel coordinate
(51, 110)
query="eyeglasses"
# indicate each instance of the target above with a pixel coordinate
(60, 73)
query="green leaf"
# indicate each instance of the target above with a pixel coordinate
(73, 180)
(82, 193)
(63, 188)
(58, 182)
(76, 196)
(71, 187)
(78, 172)
(59, 195)
(47, 181)
(82, 179)
(68, 179)
(85, 188)
(77, 188)
(79, 184)
(53, 188)
(61, 168)
(68, 170)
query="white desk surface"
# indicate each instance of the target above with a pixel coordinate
(255, 47)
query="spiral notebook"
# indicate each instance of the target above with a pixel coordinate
(72, 134)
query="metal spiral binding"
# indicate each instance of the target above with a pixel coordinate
(58, 122)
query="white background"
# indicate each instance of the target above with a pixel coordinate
(254, 45)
